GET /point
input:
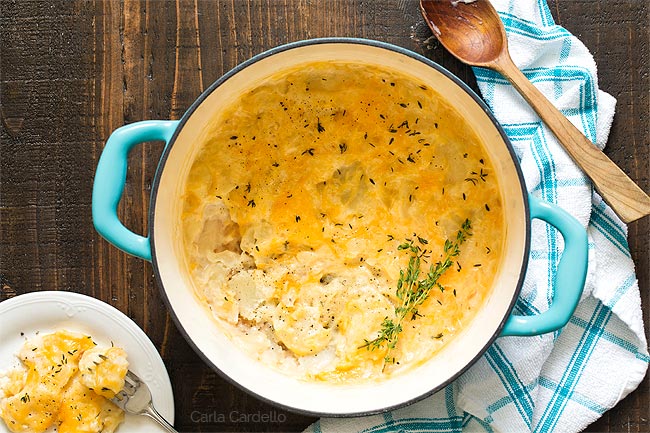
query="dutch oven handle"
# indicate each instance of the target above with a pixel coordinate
(569, 279)
(110, 179)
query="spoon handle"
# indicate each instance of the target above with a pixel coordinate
(617, 189)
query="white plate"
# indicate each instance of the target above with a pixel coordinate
(43, 312)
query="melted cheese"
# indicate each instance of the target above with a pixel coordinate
(47, 389)
(103, 370)
(299, 198)
(86, 411)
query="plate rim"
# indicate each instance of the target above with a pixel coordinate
(128, 325)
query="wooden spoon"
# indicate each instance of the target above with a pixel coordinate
(473, 32)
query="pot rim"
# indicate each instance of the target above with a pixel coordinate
(337, 40)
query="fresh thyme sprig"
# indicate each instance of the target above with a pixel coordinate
(412, 291)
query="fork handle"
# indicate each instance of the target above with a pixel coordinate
(153, 414)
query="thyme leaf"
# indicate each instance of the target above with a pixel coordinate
(412, 289)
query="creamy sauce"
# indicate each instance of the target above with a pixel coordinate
(64, 381)
(296, 205)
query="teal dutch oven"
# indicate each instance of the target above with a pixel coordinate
(162, 245)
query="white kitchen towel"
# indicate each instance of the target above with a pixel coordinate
(563, 381)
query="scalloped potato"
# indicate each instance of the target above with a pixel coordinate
(64, 380)
(296, 204)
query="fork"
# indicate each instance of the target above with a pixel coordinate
(135, 398)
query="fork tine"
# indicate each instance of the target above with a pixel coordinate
(130, 381)
(129, 388)
(135, 398)
(131, 375)
(129, 392)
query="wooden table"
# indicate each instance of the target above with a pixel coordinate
(73, 71)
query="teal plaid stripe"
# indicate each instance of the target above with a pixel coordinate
(578, 398)
(531, 141)
(615, 339)
(565, 388)
(610, 229)
(549, 383)
(525, 28)
(441, 425)
(565, 75)
(473, 424)
(518, 392)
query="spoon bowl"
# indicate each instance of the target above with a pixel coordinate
(473, 32)
(478, 36)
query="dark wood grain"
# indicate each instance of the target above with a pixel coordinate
(73, 71)
(617, 35)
